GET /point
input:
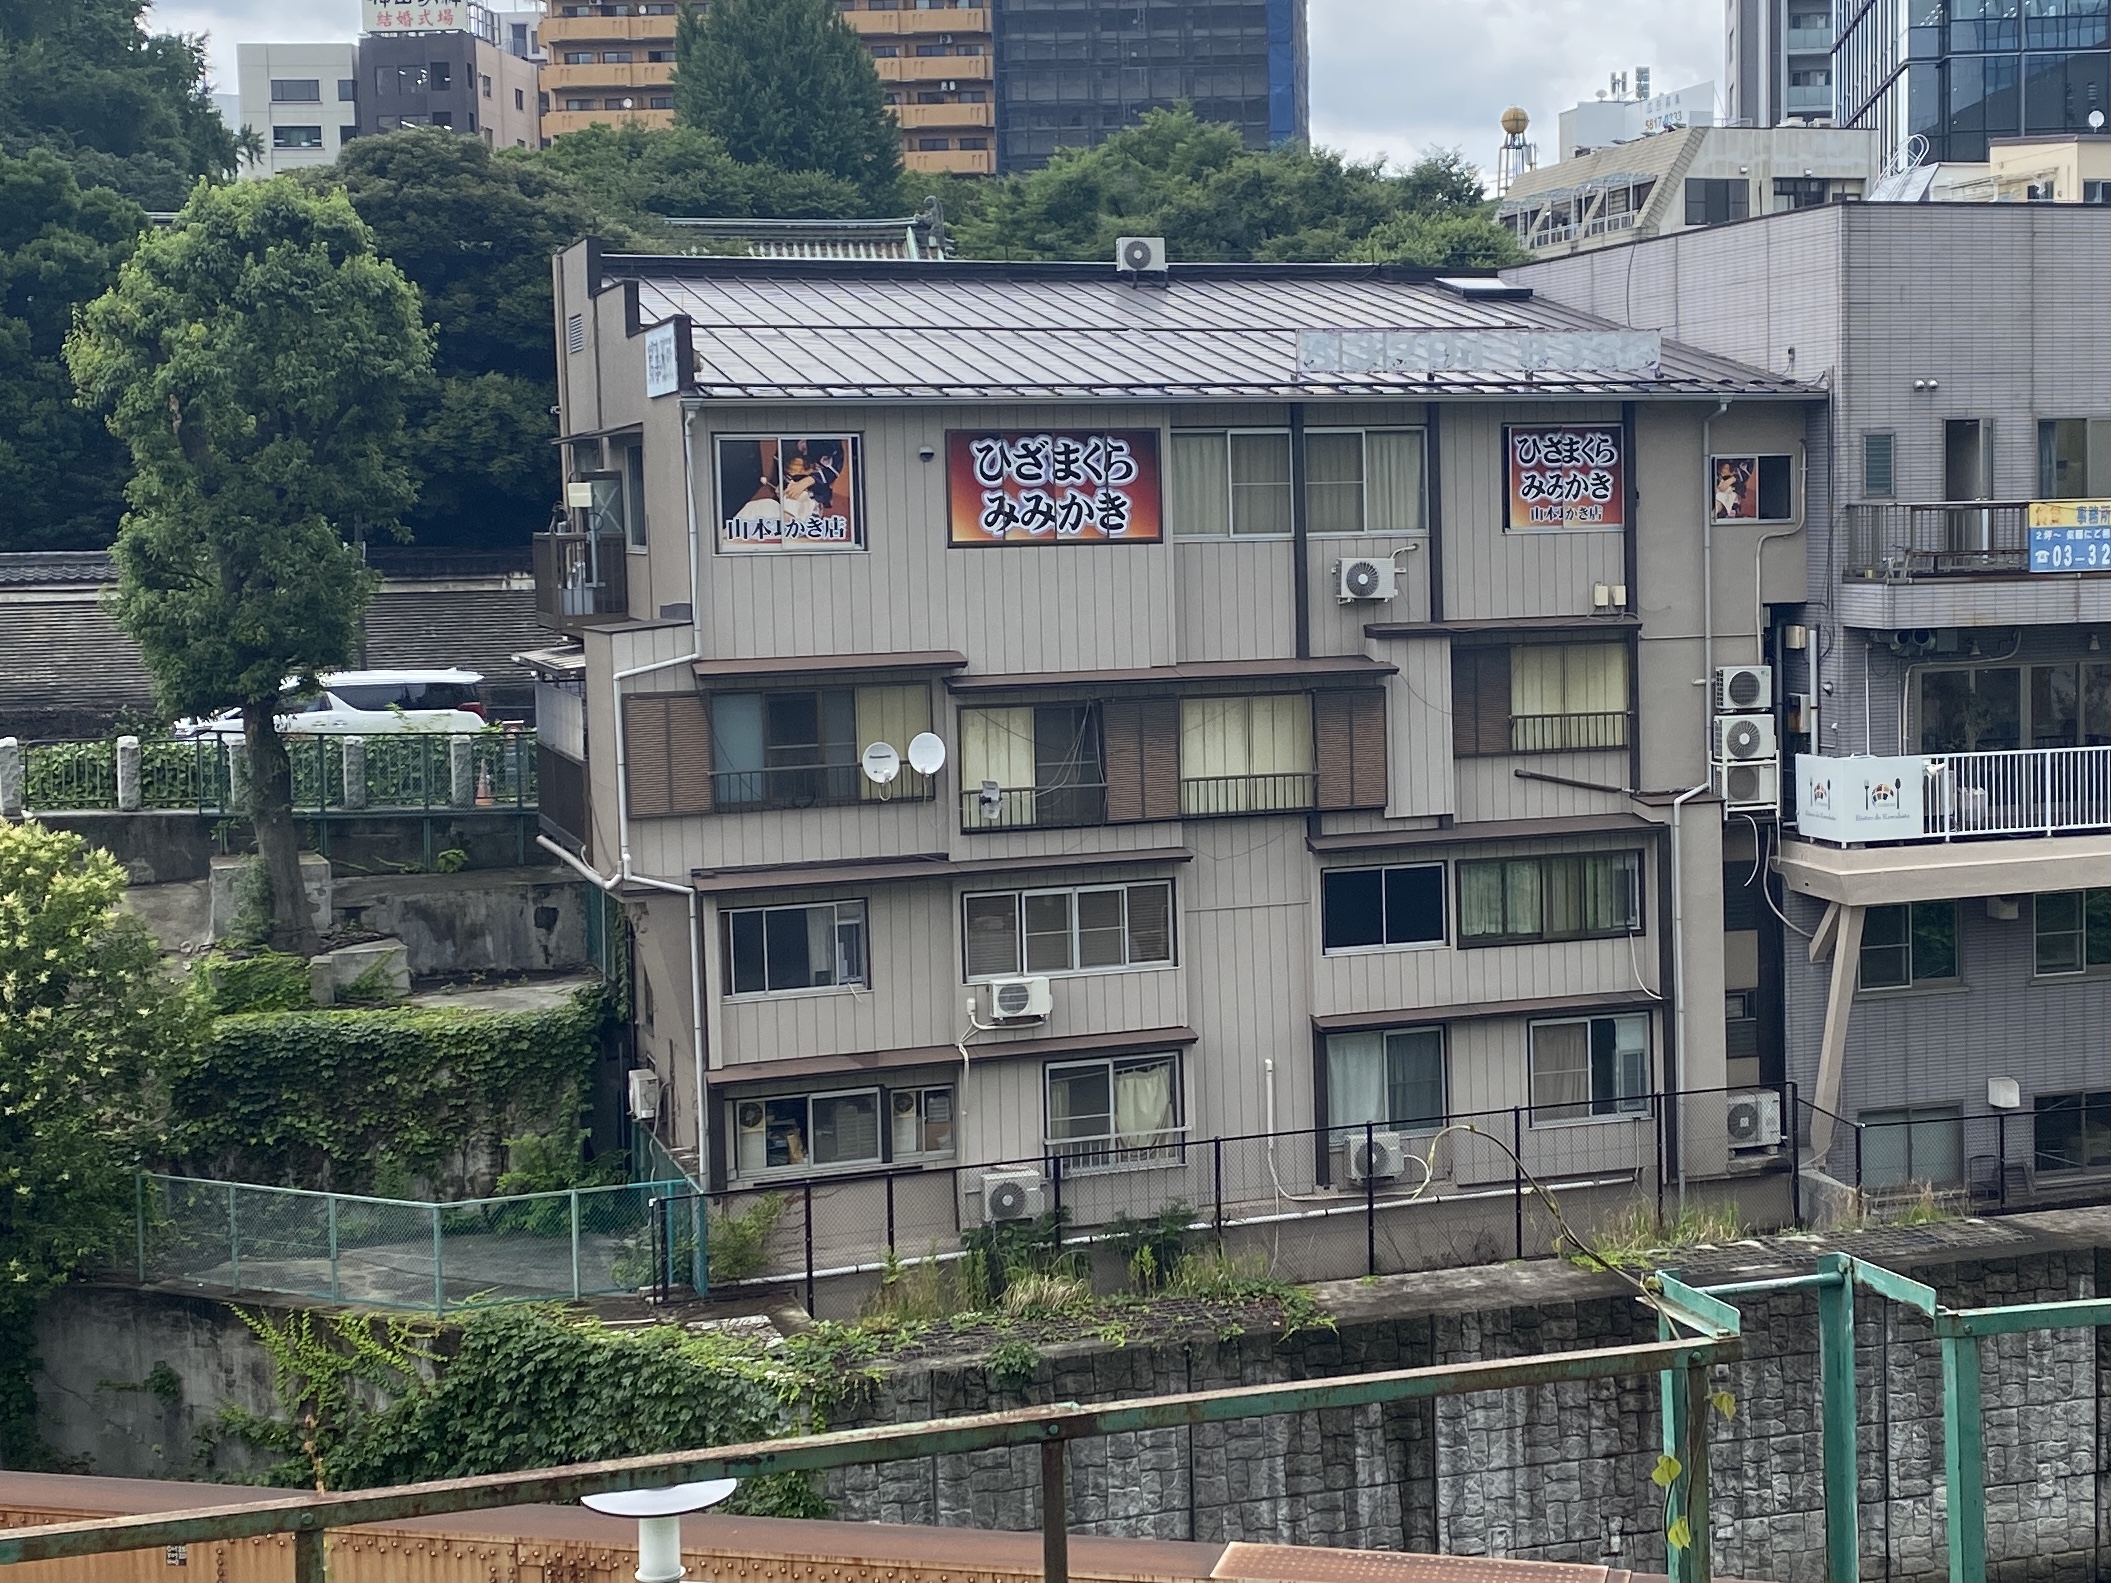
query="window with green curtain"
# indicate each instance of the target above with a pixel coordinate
(1560, 896)
(1260, 482)
(1199, 485)
(1334, 481)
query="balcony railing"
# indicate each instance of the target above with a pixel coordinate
(809, 786)
(2026, 791)
(580, 579)
(1568, 733)
(1034, 807)
(1208, 796)
(1119, 1151)
(1897, 542)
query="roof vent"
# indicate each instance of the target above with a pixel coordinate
(1484, 288)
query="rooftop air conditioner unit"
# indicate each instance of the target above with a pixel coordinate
(1743, 689)
(1749, 788)
(644, 1093)
(1375, 1156)
(1014, 1195)
(1140, 255)
(1745, 739)
(1367, 578)
(1013, 1000)
(1754, 1120)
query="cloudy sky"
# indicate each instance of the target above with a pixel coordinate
(1388, 76)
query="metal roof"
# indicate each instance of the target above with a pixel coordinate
(776, 329)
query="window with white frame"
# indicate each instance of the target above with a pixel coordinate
(1589, 1067)
(1390, 1077)
(773, 949)
(1076, 929)
(1235, 483)
(846, 1127)
(1114, 1111)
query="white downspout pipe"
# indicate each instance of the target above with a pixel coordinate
(1678, 964)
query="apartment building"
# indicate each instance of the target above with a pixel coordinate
(1234, 720)
(468, 79)
(1683, 178)
(937, 59)
(1945, 855)
(302, 101)
(1777, 61)
(612, 63)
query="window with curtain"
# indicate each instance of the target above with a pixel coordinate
(1073, 930)
(1568, 697)
(1246, 755)
(773, 949)
(1034, 765)
(1558, 896)
(1391, 1077)
(1236, 482)
(1120, 1111)
(1584, 1068)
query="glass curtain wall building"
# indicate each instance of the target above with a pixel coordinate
(1070, 72)
(1963, 72)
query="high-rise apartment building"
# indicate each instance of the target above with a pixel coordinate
(608, 63)
(1959, 73)
(1070, 72)
(1777, 61)
(937, 60)
(302, 101)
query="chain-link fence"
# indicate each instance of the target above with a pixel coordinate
(397, 1253)
(1319, 1204)
(1904, 1161)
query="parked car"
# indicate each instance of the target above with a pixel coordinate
(369, 703)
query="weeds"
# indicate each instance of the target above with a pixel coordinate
(1636, 1238)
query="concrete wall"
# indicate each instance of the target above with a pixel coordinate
(505, 920)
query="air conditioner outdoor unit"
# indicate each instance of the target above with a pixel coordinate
(1745, 739)
(1367, 578)
(1013, 1195)
(1749, 788)
(1017, 999)
(1754, 1120)
(644, 1093)
(1743, 689)
(1140, 255)
(1376, 1156)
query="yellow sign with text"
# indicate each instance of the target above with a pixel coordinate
(2070, 513)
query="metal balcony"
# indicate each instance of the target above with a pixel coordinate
(1900, 542)
(581, 580)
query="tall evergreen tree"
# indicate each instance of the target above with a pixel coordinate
(787, 83)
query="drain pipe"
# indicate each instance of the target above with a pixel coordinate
(1678, 966)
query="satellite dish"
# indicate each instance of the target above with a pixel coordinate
(881, 763)
(927, 753)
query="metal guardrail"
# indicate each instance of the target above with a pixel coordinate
(1898, 541)
(392, 773)
(2019, 791)
(401, 1253)
(1568, 733)
(581, 578)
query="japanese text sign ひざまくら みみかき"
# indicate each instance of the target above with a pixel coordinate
(789, 493)
(1054, 487)
(1571, 475)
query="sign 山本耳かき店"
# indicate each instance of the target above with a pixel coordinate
(789, 493)
(1058, 487)
(1571, 475)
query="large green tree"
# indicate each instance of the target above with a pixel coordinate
(84, 1017)
(127, 109)
(1215, 200)
(632, 175)
(61, 472)
(788, 83)
(256, 358)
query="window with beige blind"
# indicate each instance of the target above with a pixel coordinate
(1235, 483)
(1588, 1068)
(800, 748)
(1539, 698)
(1246, 755)
(1078, 929)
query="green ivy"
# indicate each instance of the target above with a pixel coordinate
(265, 981)
(324, 1098)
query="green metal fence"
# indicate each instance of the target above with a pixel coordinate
(403, 1253)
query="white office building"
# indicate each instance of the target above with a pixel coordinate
(301, 98)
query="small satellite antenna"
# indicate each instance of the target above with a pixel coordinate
(881, 763)
(927, 753)
(2096, 120)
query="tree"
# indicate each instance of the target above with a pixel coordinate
(249, 147)
(61, 473)
(1213, 199)
(128, 110)
(787, 83)
(256, 359)
(85, 1016)
(633, 175)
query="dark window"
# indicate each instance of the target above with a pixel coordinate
(771, 949)
(442, 74)
(297, 90)
(1382, 906)
(443, 118)
(296, 137)
(660, 101)
(974, 144)
(345, 134)
(347, 89)
(1804, 192)
(2073, 1131)
(1717, 201)
(2072, 931)
(1879, 479)
(1906, 945)
(931, 144)
(520, 99)
(1560, 896)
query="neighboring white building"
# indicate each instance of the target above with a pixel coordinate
(1594, 124)
(302, 100)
